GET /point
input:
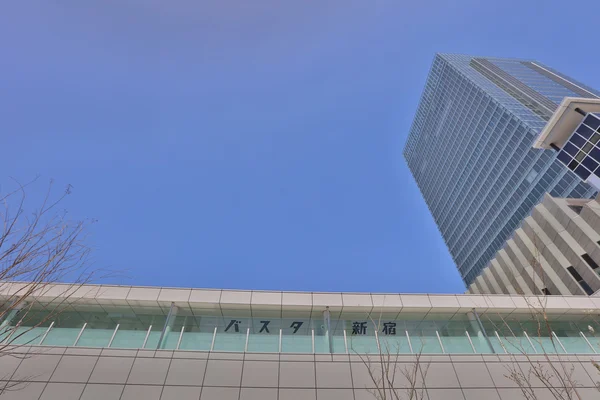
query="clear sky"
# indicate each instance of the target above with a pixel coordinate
(253, 144)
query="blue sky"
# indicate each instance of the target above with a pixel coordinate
(253, 144)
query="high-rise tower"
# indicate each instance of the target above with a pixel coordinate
(470, 150)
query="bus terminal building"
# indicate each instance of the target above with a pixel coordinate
(126, 342)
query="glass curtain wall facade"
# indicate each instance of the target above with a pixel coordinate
(395, 333)
(581, 153)
(470, 150)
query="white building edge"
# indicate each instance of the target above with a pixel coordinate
(126, 342)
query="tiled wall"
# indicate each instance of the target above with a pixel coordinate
(286, 304)
(106, 374)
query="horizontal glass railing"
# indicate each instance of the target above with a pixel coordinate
(406, 343)
(460, 335)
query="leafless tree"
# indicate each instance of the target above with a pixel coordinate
(39, 249)
(597, 366)
(545, 369)
(390, 381)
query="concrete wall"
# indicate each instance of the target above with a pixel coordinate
(554, 238)
(109, 374)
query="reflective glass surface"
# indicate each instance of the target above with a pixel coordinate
(29, 331)
(581, 152)
(135, 329)
(470, 151)
(31, 335)
(403, 333)
(299, 343)
(66, 327)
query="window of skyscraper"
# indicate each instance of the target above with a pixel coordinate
(581, 153)
(584, 285)
(590, 261)
(577, 209)
(593, 121)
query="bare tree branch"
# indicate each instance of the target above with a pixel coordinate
(525, 370)
(38, 251)
(383, 371)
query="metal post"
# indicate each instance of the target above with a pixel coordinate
(501, 344)
(482, 331)
(212, 345)
(247, 337)
(327, 324)
(80, 333)
(409, 343)
(46, 333)
(345, 341)
(180, 337)
(11, 315)
(280, 338)
(147, 336)
(470, 341)
(530, 342)
(313, 341)
(113, 336)
(558, 340)
(440, 340)
(588, 342)
(162, 341)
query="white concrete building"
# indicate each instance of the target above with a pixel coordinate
(556, 251)
(124, 343)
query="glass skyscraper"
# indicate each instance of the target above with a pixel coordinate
(470, 150)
